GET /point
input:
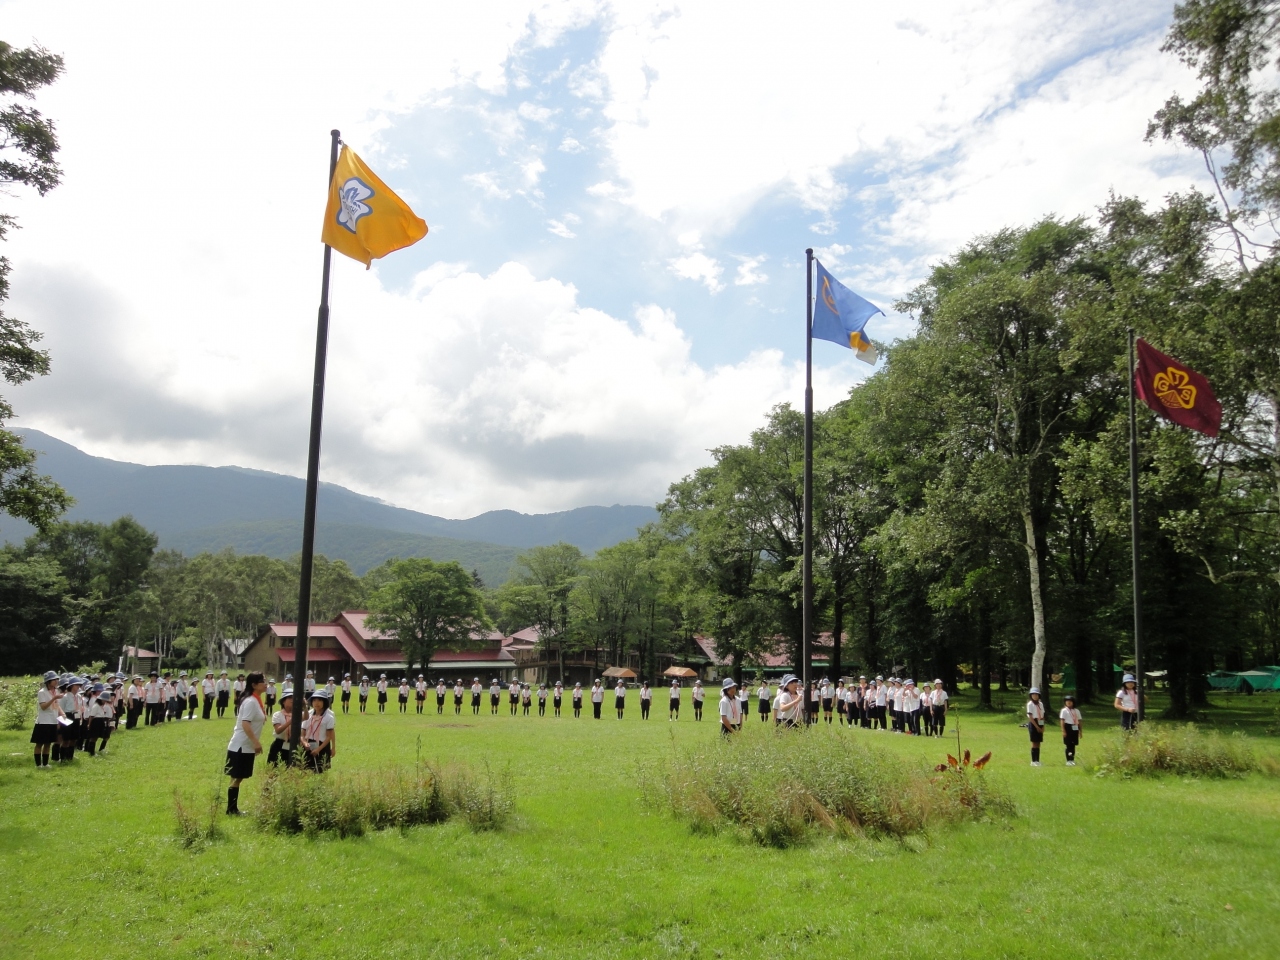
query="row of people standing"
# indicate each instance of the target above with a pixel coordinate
(74, 713)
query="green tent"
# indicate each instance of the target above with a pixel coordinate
(1259, 680)
(1069, 676)
(1226, 680)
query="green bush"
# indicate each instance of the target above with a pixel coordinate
(1183, 750)
(297, 801)
(18, 703)
(193, 830)
(783, 786)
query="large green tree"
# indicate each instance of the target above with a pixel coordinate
(428, 605)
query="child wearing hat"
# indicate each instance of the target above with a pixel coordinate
(762, 700)
(495, 697)
(382, 693)
(346, 693)
(730, 711)
(1127, 702)
(699, 694)
(939, 699)
(440, 692)
(420, 693)
(577, 700)
(788, 706)
(363, 691)
(1072, 726)
(246, 740)
(526, 698)
(557, 696)
(193, 699)
(48, 710)
(1035, 724)
(207, 694)
(673, 708)
(646, 700)
(281, 723)
(238, 691)
(403, 695)
(513, 696)
(619, 696)
(597, 698)
(318, 733)
(476, 692)
(542, 699)
(223, 688)
(744, 702)
(69, 725)
(457, 697)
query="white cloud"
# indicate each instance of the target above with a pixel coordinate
(560, 229)
(469, 393)
(535, 112)
(748, 275)
(570, 145)
(605, 188)
(698, 266)
(488, 183)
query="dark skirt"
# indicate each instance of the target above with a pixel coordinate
(239, 765)
(764, 706)
(619, 702)
(44, 733)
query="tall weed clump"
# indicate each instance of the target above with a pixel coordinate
(781, 787)
(1183, 750)
(195, 825)
(18, 703)
(298, 801)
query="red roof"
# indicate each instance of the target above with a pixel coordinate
(313, 656)
(779, 656)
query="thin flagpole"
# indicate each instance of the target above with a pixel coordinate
(806, 654)
(1135, 533)
(313, 482)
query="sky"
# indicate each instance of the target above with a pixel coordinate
(619, 198)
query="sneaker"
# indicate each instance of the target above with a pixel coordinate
(1035, 763)
(1071, 763)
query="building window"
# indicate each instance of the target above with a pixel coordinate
(271, 642)
(286, 642)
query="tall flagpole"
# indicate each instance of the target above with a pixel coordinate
(313, 481)
(806, 655)
(1133, 521)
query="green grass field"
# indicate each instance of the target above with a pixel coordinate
(1092, 867)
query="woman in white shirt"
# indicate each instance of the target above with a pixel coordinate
(48, 710)
(1072, 727)
(318, 734)
(1035, 724)
(788, 706)
(597, 698)
(1127, 703)
(246, 741)
(939, 703)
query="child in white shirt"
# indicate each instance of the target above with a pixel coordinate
(1072, 724)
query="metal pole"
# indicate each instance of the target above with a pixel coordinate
(1133, 521)
(806, 654)
(313, 483)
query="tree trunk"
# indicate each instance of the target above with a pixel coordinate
(837, 629)
(1083, 661)
(984, 657)
(871, 646)
(1037, 600)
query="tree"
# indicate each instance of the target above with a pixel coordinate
(33, 612)
(28, 145)
(428, 606)
(538, 596)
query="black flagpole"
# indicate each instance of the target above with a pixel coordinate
(806, 655)
(1133, 521)
(313, 483)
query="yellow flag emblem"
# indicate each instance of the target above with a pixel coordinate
(365, 220)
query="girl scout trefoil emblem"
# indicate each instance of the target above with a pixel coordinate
(352, 195)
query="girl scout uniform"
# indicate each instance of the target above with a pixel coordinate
(363, 692)
(495, 697)
(698, 695)
(382, 694)
(646, 698)
(557, 696)
(1070, 719)
(673, 709)
(1127, 703)
(48, 710)
(440, 691)
(730, 709)
(597, 698)
(577, 700)
(403, 696)
(420, 693)
(1035, 726)
(346, 693)
(762, 702)
(619, 697)
(208, 690)
(240, 751)
(281, 721)
(457, 698)
(318, 735)
(542, 699)
(223, 690)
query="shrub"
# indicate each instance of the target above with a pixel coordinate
(18, 703)
(781, 787)
(1183, 750)
(194, 832)
(297, 801)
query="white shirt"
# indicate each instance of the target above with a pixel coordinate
(620, 691)
(277, 719)
(577, 693)
(1070, 716)
(309, 685)
(421, 687)
(476, 689)
(346, 686)
(440, 689)
(46, 706)
(495, 690)
(238, 686)
(271, 689)
(152, 690)
(675, 692)
(404, 690)
(364, 688)
(763, 692)
(315, 729)
(729, 708)
(1035, 711)
(646, 693)
(207, 686)
(223, 686)
(881, 696)
(1128, 699)
(940, 697)
(699, 693)
(597, 693)
(457, 689)
(382, 686)
(787, 707)
(250, 712)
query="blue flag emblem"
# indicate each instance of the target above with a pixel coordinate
(839, 315)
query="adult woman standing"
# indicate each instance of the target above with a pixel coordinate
(246, 742)
(319, 735)
(48, 710)
(788, 706)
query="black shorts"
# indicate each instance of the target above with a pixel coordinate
(675, 705)
(494, 699)
(1037, 736)
(558, 701)
(475, 700)
(826, 706)
(382, 698)
(44, 733)
(239, 765)
(421, 697)
(618, 703)
(346, 696)
(403, 698)
(439, 698)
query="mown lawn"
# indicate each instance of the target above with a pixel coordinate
(1091, 867)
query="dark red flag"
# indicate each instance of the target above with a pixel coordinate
(1175, 391)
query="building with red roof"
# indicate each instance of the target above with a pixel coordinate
(347, 645)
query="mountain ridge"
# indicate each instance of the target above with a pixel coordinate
(213, 507)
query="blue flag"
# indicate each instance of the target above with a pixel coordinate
(839, 315)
